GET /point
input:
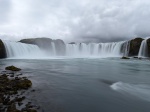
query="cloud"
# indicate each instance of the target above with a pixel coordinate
(75, 20)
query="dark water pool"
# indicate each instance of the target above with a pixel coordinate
(87, 85)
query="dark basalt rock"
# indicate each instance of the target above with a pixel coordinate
(2, 50)
(12, 91)
(72, 43)
(135, 46)
(12, 68)
(148, 45)
(125, 58)
(12, 108)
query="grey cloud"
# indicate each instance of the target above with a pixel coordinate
(76, 20)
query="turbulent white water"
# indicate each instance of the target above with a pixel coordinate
(127, 48)
(139, 90)
(21, 50)
(95, 49)
(143, 52)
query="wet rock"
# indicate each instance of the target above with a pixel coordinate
(33, 90)
(11, 93)
(19, 103)
(31, 110)
(20, 99)
(148, 46)
(12, 68)
(72, 43)
(12, 108)
(2, 50)
(125, 58)
(24, 84)
(135, 46)
(12, 75)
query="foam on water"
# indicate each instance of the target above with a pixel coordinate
(139, 90)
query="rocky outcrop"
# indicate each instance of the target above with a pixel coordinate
(2, 50)
(125, 58)
(148, 45)
(135, 46)
(12, 68)
(13, 88)
(72, 43)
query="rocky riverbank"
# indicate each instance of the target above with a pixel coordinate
(13, 86)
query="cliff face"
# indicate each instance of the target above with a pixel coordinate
(2, 50)
(148, 45)
(135, 46)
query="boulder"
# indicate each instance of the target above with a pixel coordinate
(125, 58)
(12, 68)
(135, 46)
(2, 50)
(12, 108)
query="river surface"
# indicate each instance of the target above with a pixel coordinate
(87, 84)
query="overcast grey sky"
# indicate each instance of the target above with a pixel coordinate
(88, 20)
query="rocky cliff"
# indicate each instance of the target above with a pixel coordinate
(2, 50)
(135, 46)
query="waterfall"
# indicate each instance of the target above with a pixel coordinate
(143, 52)
(95, 49)
(127, 48)
(21, 50)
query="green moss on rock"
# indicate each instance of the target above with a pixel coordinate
(12, 68)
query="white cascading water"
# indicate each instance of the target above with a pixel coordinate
(143, 52)
(127, 48)
(21, 50)
(95, 49)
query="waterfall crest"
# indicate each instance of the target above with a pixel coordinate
(95, 49)
(21, 50)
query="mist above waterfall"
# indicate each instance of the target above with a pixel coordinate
(75, 20)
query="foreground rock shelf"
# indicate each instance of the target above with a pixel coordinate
(13, 87)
